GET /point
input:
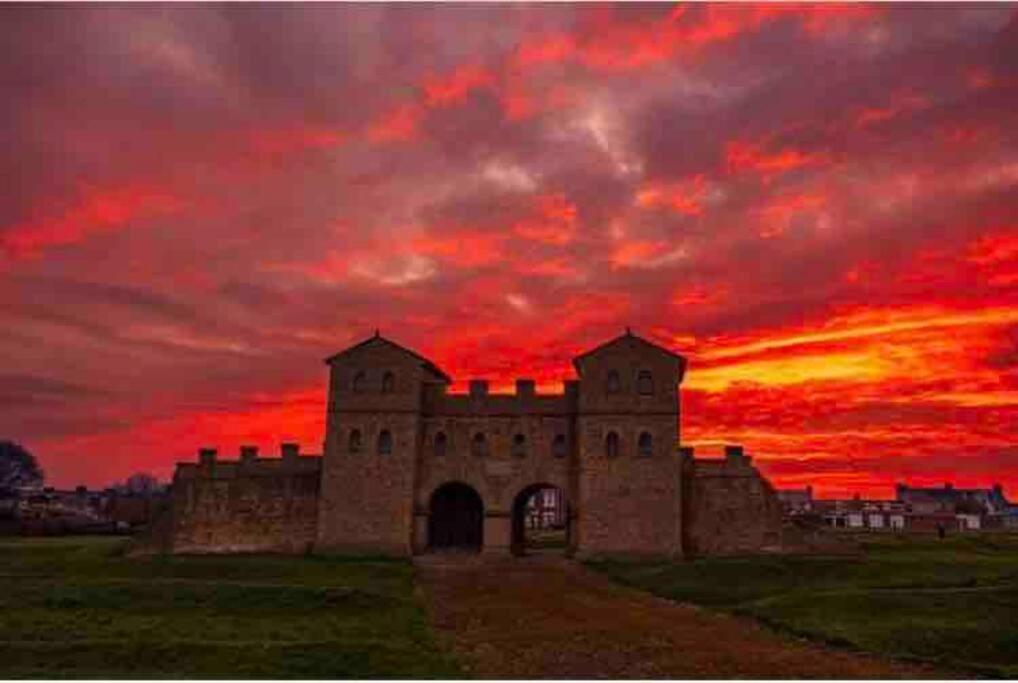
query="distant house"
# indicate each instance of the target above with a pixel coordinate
(79, 510)
(969, 522)
(796, 501)
(972, 509)
(923, 510)
(52, 510)
(856, 520)
(896, 521)
(861, 514)
(989, 501)
(546, 509)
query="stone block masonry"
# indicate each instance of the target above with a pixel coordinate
(247, 505)
(730, 508)
(409, 467)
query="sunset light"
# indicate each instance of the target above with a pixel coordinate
(815, 204)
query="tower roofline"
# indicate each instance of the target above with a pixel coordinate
(377, 337)
(627, 335)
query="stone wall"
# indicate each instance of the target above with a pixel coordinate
(629, 502)
(730, 508)
(367, 494)
(247, 505)
(372, 489)
(507, 466)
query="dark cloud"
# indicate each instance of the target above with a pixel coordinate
(202, 201)
(17, 390)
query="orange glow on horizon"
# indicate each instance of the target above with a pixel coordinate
(764, 392)
(193, 223)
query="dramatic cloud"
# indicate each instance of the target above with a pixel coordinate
(816, 203)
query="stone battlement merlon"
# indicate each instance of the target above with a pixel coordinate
(209, 466)
(438, 401)
(410, 466)
(250, 504)
(235, 469)
(734, 463)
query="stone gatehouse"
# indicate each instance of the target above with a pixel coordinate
(409, 467)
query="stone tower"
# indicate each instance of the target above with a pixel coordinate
(409, 467)
(373, 427)
(629, 483)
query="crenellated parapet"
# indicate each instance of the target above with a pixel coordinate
(409, 465)
(734, 463)
(247, 504)
(481, 402)
(209, 466)
(729, 506)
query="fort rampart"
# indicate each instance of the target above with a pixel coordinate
(410, 467)
(729, 507)
(250, 504)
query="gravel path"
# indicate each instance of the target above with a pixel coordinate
(546, 617)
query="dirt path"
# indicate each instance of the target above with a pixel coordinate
(545, 617)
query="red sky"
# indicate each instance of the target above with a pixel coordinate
(818, 205)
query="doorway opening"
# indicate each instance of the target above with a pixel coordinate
(456, 518)
(540, 520)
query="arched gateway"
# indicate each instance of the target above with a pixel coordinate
(455, 518)
(400, 496)
(540, 520)
(409, 465)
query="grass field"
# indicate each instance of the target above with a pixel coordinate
(77, 607)
(953, 602)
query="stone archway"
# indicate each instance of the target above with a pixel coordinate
(541, 519)
(455, 518)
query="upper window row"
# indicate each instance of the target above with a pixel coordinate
(644, 382)
(360, 380)
(479, 445)
(644, 445)
(383, 446)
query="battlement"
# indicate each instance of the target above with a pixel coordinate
(478, 401)
(250, 504)
(731, 508)
(411, 465)
(248, 464)
(735, 463)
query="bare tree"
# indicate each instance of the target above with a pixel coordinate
(18, 467)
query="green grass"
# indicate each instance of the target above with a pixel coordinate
(952, 602)
(78, 607)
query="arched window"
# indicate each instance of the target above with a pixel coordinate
(519, 446)
(479, 445)
(385, 442)
(441, 442)
(388, 383)
(357, 385)
(613, 384)
(558, 446)
(645, 383)
(645, 444)
(611, 445)
(355, 441)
